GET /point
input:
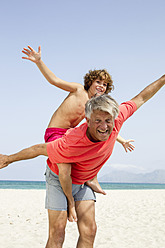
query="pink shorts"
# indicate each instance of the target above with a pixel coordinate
(53, 133)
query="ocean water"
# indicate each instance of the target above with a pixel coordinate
(4, 184)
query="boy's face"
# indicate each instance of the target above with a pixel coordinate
(98, 87)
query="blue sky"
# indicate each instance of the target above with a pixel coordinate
(125, 37)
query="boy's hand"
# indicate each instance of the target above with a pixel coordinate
(32, 54)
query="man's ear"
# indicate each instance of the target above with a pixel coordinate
(88, 121)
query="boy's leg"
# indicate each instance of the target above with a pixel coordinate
(94, 184)
(86, 223)
(57, 224)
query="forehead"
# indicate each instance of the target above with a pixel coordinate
(101, 114)
(103, 76)
(100, 79)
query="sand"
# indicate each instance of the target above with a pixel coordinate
(125, 219)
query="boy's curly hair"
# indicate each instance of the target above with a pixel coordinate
(102, 75)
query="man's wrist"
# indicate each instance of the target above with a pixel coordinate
(71, 202)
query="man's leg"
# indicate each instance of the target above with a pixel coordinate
(57, 224)
(56, 203)
(86, 223)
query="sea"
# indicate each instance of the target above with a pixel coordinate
(40, 185)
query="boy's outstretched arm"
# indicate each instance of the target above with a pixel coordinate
(35, 57)
(27, 153)
(149, 92)
(126, 143)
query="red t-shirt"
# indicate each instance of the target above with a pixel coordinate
(86, 157)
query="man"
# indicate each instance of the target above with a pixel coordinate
(72, 110)
(87, 147)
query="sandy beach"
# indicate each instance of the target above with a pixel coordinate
(125, 219)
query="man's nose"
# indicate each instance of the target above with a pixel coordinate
(103, 126)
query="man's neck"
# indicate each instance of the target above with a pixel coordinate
(90, 137)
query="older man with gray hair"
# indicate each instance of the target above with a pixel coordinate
(87, 147)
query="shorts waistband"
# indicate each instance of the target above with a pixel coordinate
(56, 129)
(52, 133)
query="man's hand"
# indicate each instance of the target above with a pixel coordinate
(72, 216)
(4, 161)
(128, 146)
(32, 55)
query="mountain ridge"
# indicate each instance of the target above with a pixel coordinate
(119, 176)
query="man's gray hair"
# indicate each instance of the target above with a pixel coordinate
(104, 103)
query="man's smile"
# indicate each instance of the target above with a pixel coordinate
(102, 132)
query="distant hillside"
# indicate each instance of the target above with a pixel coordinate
(157, 176)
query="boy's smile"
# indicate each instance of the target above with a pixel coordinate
(98, 87)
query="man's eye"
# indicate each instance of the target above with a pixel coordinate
(97, 121)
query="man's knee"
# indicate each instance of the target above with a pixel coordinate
(89, 231)
(92, 232)
(57, 224)
(58, 229)
(56, 233)
(56, 236)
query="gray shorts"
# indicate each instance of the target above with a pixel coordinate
(55, 197)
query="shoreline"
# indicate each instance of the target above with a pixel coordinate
(14, 184)
(125, 219)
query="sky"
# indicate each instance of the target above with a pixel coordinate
(125, 37)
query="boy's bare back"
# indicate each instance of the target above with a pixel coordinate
(72, 110)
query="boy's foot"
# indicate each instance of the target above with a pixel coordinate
(94, 184)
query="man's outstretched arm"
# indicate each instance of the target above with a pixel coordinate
(27, 153)
(149, 92)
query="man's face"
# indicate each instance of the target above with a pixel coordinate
(98, 87)
(100, 126)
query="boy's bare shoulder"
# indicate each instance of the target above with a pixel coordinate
(80, 87)
(81, 90)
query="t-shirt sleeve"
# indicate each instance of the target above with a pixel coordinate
(126, 109)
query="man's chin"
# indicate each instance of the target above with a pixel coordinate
(103, 137)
